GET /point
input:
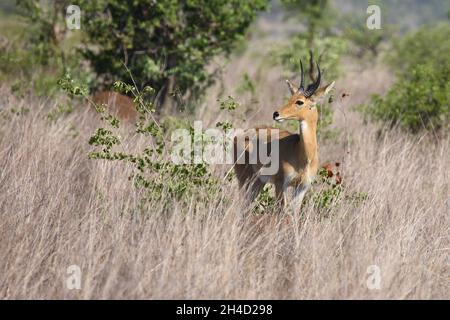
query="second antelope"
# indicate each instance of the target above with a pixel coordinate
(118, 105)
(298, 156)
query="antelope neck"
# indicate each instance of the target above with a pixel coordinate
(308, 139)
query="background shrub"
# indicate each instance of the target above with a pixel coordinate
(420, 98)
(166, 44)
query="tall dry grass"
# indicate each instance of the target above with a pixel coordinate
(59, 209)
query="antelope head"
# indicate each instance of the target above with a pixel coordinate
(302, 104)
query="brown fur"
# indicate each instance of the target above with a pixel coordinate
(118, 105)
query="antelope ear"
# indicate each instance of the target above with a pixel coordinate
(292, 88)
(322, 92)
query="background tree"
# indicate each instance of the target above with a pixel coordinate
(166, 44)
(37, 48)
(365, 42)
(317, 17)
(49, 29)
(420, 98)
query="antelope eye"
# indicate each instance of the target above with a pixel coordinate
(299, 102)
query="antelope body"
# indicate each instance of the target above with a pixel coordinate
(118, 104)
(298, 156)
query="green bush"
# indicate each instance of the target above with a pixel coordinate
(420, 98)
(331, 192)
(429, 44)
(153, 172)
(166, 44)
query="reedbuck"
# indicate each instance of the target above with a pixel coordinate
(298, 158)
(118, 105)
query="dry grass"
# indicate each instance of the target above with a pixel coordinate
(58, 209)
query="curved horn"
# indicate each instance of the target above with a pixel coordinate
(311, 65)
(313, 86)
(302, 80)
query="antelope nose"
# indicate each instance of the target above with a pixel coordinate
(275, 115)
